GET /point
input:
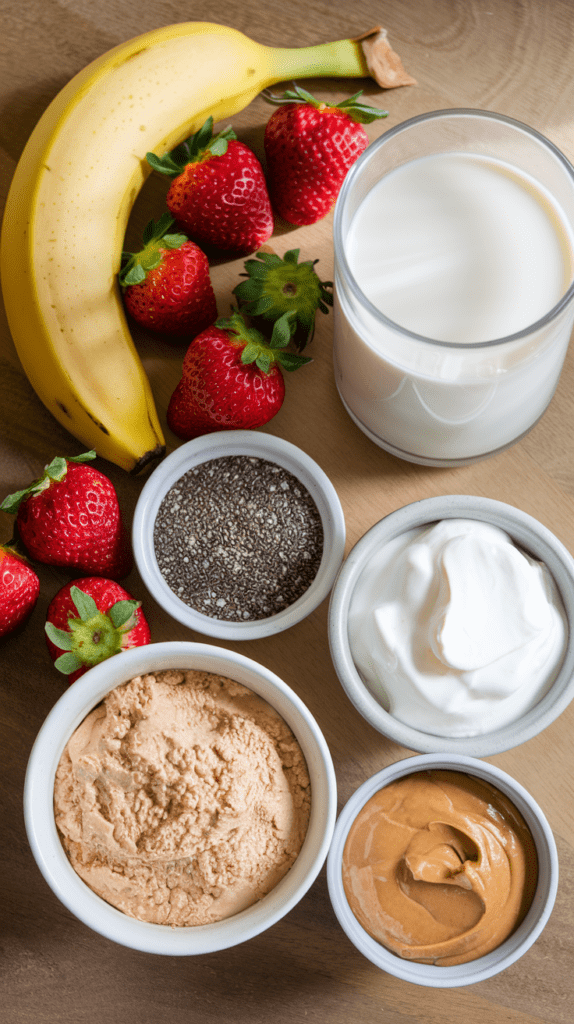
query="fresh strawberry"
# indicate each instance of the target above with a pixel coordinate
(89, 621)
(70, 517)
(277, 286)
(219, 193)
(231, 378)
(310, 146)
(166, 286)
(19, 589)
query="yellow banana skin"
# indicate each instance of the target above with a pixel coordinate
(70, 200)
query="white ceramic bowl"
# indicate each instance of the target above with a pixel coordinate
(528, 534)
(64, 718)
(218, 445)
(512, 948)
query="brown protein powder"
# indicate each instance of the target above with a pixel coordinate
(183, 798)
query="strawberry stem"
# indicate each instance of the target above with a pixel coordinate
(357, 111)
(94, 635)
(196, 148)
(53, 472)
(256, 349)
(136, 266)
(276, 286)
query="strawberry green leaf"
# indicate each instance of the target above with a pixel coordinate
(60, 637)
(261, 305)
(68, 663)
(255, 349)
(352, 107)
(276, 286)
(352, 99)
(258, 271)
(292, 256)
(84, 457)
(252, 354)
(196, 143)
(218, 147)
(290, 361)
(122, 612)
(165, 164)
(135, 266)
(150, 260)
(282, 330)
(264, 362)
(135, 275)
(12, 502)
(54, 471)
(360, 112)
(85, 605)
(294, 95)
(247, 290)
(174, 241)
(270, 257)
(195, 148)
(156, 229)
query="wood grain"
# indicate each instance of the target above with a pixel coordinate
(512, 56)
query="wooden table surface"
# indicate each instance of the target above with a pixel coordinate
(511, 56)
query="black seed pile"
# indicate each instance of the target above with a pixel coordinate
(238, 538)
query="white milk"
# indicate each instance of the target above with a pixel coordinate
(460, 249)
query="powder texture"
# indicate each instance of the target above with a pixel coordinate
(183, 798)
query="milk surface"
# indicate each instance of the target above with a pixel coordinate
(461, 249)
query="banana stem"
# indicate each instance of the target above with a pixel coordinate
(344, 58)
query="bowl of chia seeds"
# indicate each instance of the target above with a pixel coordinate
(238, 534)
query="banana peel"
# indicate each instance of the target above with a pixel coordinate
(73, 191)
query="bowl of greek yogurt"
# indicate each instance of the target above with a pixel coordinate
(450, 626)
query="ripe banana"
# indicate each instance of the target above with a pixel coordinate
(71, 197)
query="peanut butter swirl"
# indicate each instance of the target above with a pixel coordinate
(439, 867)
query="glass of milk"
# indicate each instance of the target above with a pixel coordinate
(454, 284)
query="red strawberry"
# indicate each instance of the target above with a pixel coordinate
(71, 517)
(310, 146)
(231, 378)
(219, 194)
(89, 621)
(19, 589)
(167, 286)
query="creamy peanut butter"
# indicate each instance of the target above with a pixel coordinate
(439, 867)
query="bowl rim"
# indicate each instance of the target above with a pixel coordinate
(219, 445)
(529, 534)
(432, 975)
(73, 706)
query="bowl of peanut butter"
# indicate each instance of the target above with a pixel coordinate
(442, 870)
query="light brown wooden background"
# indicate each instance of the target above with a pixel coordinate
(512, 56)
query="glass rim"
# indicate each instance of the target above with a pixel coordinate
(341, 262)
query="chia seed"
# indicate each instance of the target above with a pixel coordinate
(238, 538)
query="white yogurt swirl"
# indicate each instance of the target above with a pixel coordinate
(455, 630)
